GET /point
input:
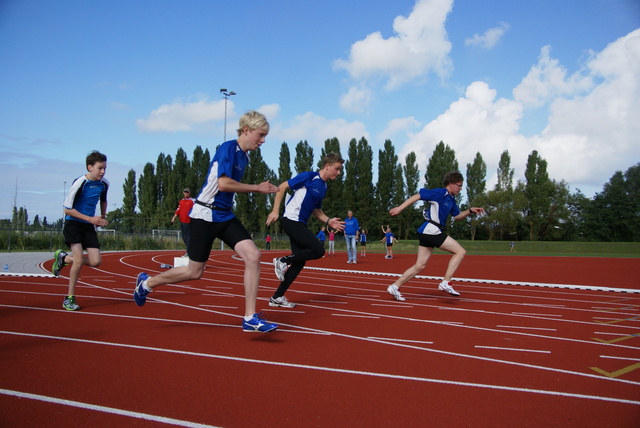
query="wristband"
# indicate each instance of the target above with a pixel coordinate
(326, 225)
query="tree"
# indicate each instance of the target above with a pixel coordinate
(252, 208)
(442, 161)
(364, 191)
(386, 187)
(476, 185)
(538, 190)
(351, 177)
(147, 192)
(333, 205)
(304, 157)
(199, 169)
(284, 168)
(129, 201)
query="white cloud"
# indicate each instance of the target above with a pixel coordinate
(599, 131)
(592, 132)
(181, 116)
(490, 38)
(548, 80)
(316, 129)
(397, 126)
(474, 123)
(356, 100)
(271, 111)
(420, 46)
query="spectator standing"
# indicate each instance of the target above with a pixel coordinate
(182, 212)
(351, 233)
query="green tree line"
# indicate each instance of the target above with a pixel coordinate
(537, 208)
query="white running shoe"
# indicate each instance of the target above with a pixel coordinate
(393, 290)
(281, 302)
(448, 289)
(280, 268)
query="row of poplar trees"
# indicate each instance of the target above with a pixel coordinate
(537, 208)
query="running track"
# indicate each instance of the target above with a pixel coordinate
(532, 341)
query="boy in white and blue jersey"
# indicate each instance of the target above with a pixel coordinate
(309, 189)
(212, 217)
(80, 223)
(440, 204)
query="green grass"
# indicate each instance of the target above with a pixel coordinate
(530, 248)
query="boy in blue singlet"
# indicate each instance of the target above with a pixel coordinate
(80, 224)
(212, 217)
(440, 204)
(309, 189)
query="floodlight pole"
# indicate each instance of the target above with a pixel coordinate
(226, 95)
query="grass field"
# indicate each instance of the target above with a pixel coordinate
(530, 248)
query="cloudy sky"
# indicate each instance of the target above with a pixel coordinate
(137, 78)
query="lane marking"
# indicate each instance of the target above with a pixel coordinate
(527, 328)
(617, 373)
(536, 315)
(337, 370)
(103, 409)
(511, 349)
(620, 358)
(356, 316)
(393, 339)
(618, 339)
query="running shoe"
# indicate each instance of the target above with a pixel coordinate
(257, 325)
(393, 290)
(280, 268)
(281, 302)
(70, 303)
(140, 293)
(448, 289)
(58, 262)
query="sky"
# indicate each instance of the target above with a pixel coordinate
(134, 79)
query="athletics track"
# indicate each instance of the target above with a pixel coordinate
(532, 341)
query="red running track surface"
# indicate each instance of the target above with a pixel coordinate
(501, 354)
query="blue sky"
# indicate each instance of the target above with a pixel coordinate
(137, 78)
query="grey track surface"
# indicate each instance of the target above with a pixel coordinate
(27, 263)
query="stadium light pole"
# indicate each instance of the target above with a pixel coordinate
(226, 95)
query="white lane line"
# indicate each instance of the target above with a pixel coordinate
(512, 349)
(536, 315)
(391, 339)
(103, 409)
(327, 301)
(355, 316)
(620, 358)
(526, 328)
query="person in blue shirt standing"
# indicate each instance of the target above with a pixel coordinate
(80, 223)
(388, 240)
(351, 232)
(322, 237)
(309, 189)
(440, 204)
(363, 242)
(212, 217)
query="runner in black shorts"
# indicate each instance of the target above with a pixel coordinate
(440, 203)
(212, 217)
(80, 224)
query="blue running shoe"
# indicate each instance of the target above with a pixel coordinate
(258, 325)
(140, 294)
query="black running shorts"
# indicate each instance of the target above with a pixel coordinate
(431, 241)
(203, 233)
(78, 232)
